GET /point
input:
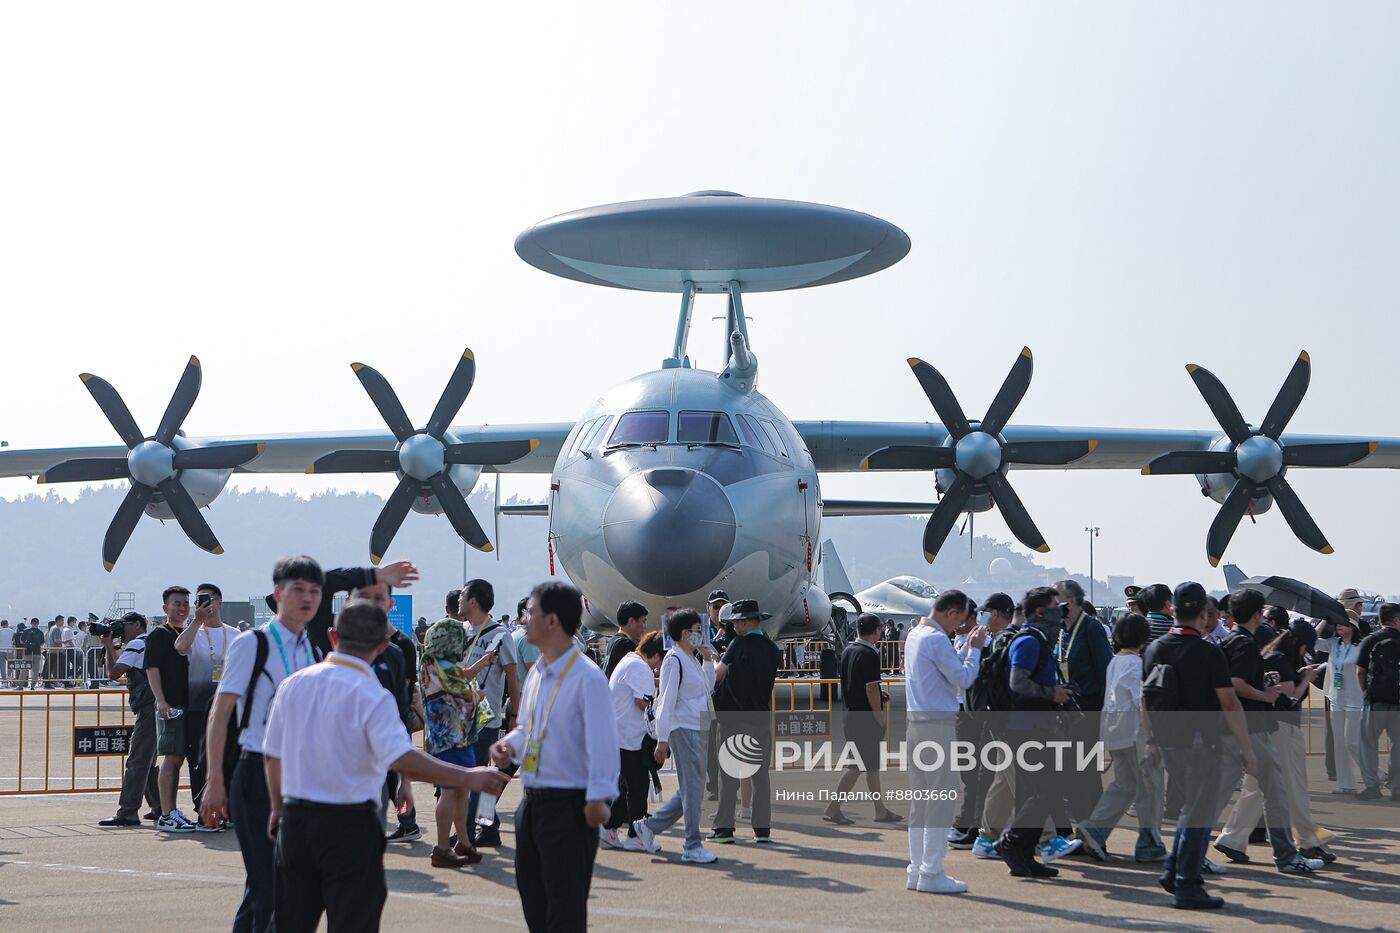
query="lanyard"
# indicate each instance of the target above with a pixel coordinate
(223, 649)
(1178, 630)
(353, 667)
(538, 724)
(1068, 648)
(485, 627)
(283, 651)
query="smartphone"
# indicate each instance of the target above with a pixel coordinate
(203, 599)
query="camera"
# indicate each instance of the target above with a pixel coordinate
(107, 627)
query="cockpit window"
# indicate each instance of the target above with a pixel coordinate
(753, 435)
(705, 427)
(590, 440)
(774, 436)
(915, 586)
(641, 427)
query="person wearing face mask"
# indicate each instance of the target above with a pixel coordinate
(1035, 693)
(995, 618)
(1084, 655)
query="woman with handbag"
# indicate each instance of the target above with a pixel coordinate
(452, 704)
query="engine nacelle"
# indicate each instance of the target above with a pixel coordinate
(1218, 485)
(203, 486)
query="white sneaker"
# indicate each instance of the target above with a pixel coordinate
(1058, 848)
(911, 878)
(984, 848)
(175, 822)
(607, 838)
(746, 813)
(699, 856)
(646, 837)
(631, 843)
(942, 884)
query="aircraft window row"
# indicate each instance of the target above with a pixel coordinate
(763, 434)
(641, 427)
(588, 435)
(705, 427)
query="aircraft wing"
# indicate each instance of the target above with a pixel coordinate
(842, 446)
(295, 453)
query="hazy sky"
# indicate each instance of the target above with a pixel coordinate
(284, 188)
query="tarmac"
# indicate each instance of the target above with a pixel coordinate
(59, 871)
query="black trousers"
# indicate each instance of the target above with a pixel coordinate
(1039, 794)
(972, 727)
(554, 853)
(1082, 789)
(330, 860)
(632, 787)
(249, 809)
(195, 757)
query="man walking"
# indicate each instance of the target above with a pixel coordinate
(863, 692)
(330, 848)
(205, 646)
(743, 696)
(259, 660)
(565, 742)
(500, 682)
(140, 775)
(1378, 668)
(1083, 653)
(934, 674)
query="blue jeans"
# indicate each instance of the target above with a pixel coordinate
(1199, 766)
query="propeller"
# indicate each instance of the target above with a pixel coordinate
(977, 454)
(152, 464)
(1257, 459)
(422, 458)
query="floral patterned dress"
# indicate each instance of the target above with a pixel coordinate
(452, 719)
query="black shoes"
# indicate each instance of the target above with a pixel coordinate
(1259, 837)
(1199, 900)
(1019, 866)
(1318, 852)
(1234, 855)
(120, 821)
(1369, 793)
(488, 837)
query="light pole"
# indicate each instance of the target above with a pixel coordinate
(1093, 531)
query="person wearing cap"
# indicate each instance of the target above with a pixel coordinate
(1196, 682)
(1345, 699)
(139, 777)
(1378, 671)
(1264, 790)
(994, 615)
(743, 696)
(1002, 617)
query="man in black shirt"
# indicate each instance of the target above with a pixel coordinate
(168, 673)
(1265, 789)
(1185, 703)
(631, 624)
(743, 694)
(865, 721)
(1378, 667)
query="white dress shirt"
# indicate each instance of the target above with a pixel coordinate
(576, 731)
(1122, 698)
(632, 680)
(294, 654)
(336, 730)
(934, 672)
(684, 700)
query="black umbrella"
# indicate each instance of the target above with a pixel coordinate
(1297, 596)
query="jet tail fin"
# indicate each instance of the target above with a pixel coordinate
(1234, 576)
(834, 579)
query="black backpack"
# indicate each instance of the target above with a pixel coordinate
(1383, 671)
(996, 692)
(1161, 697)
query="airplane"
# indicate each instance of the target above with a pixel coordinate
(903, 600)
(680, 480)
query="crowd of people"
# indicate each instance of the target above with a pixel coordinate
(1196, 700)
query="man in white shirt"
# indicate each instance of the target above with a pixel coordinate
(934, 673)
(566, 745)
(259, 660)
(204, 643)
(324, 783)
(499, 681)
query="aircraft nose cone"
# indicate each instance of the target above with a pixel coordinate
(669, 531)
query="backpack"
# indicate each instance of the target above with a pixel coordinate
(1383, 671)
(998, 689)
(1161, 697)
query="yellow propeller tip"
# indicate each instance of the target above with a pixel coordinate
(1303, 355)
(864, 465)
(1044, 549)
(487, 548)
(1214, 561)
(357, 366)
(1373, 445)
(1026, 351)
(1328, 549)
(194, 360)
(86, 376)
(43, 478)
(375, 559)
(468, 354)
(1191, 367)
(311, 469)
(929, 556)
(534, 443)
(108, 565)
(261, 447)
(218, 549)
(913, 361)
(1147, 470)
(1093, 446)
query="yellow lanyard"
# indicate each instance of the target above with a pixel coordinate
(223, 649)
(1074, 633)
(353, 667)
(536, 722)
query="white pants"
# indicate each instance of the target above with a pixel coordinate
(935, 789)
(1293, 766)
(1346, 735)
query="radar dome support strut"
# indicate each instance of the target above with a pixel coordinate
(678, 359)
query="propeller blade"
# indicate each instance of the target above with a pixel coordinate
(1047, 453)
(187, 514)
(910, 457)
(941, 396)
(124, 523)
(356, 461)
(458, 512)
(1327, 455)
(385, 400)
(181, 402)
(488, 453)
(1191, 461)
(114, 408)
(1012, 509)
(85, 471)
(1012, 390)
(1222, 529)
(1289, 397)
(453, 394)
(941, 522)
(1226, 412)
(223, 457)
(391, 517)
(1297, 515)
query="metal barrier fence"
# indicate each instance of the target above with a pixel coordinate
(67, 668)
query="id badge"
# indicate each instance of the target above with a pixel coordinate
(1337, 679)
(218, 672)
(530, 761)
